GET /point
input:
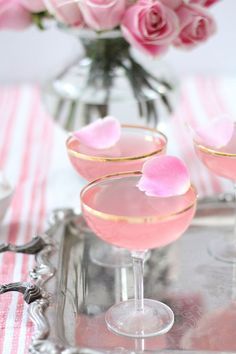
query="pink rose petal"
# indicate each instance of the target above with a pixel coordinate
(164, 176)
(101, 134)
(215, 133)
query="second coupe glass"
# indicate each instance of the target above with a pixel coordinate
(222, 162)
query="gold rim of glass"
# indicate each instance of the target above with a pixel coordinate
(83, 156)
(211, 151)
(130, 219)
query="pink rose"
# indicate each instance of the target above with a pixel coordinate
(65, 11)
(150, 26)
(210, 2)
(103, 14)
(196, 26)
(174, 4)
(205, 3)
(13, 15)
(34, 5)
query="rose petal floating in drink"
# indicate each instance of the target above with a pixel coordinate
(215, 133)
(101, 134)
(164, 176)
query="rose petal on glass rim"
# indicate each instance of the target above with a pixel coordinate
(101, 134)
(215, 133)
(164, 176)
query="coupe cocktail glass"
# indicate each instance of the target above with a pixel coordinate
(222, 162)
(136, 145)
(120, 214)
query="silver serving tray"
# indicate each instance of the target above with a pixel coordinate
(75, 293)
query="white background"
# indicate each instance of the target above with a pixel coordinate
(33, 55)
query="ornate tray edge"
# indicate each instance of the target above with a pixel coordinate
(41, 274)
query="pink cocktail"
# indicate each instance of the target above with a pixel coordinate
(222, 162)
(122, 215)
(135, 146)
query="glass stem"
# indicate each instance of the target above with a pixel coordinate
(138, 265)
(233, 295)
(234, 232)
(139, 345)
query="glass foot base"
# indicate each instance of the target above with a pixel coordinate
(106, 255)
(223, 250)
(156, 319)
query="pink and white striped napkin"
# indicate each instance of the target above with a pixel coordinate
(26, 138)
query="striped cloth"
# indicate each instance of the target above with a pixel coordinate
(33, 156)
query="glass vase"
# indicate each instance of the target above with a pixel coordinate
(108, 80)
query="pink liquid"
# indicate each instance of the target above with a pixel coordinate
(224, 166)
(119, 196)
(133, 142)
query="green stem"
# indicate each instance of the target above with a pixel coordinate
(71, 116)
(37, 19)
(59, 107)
